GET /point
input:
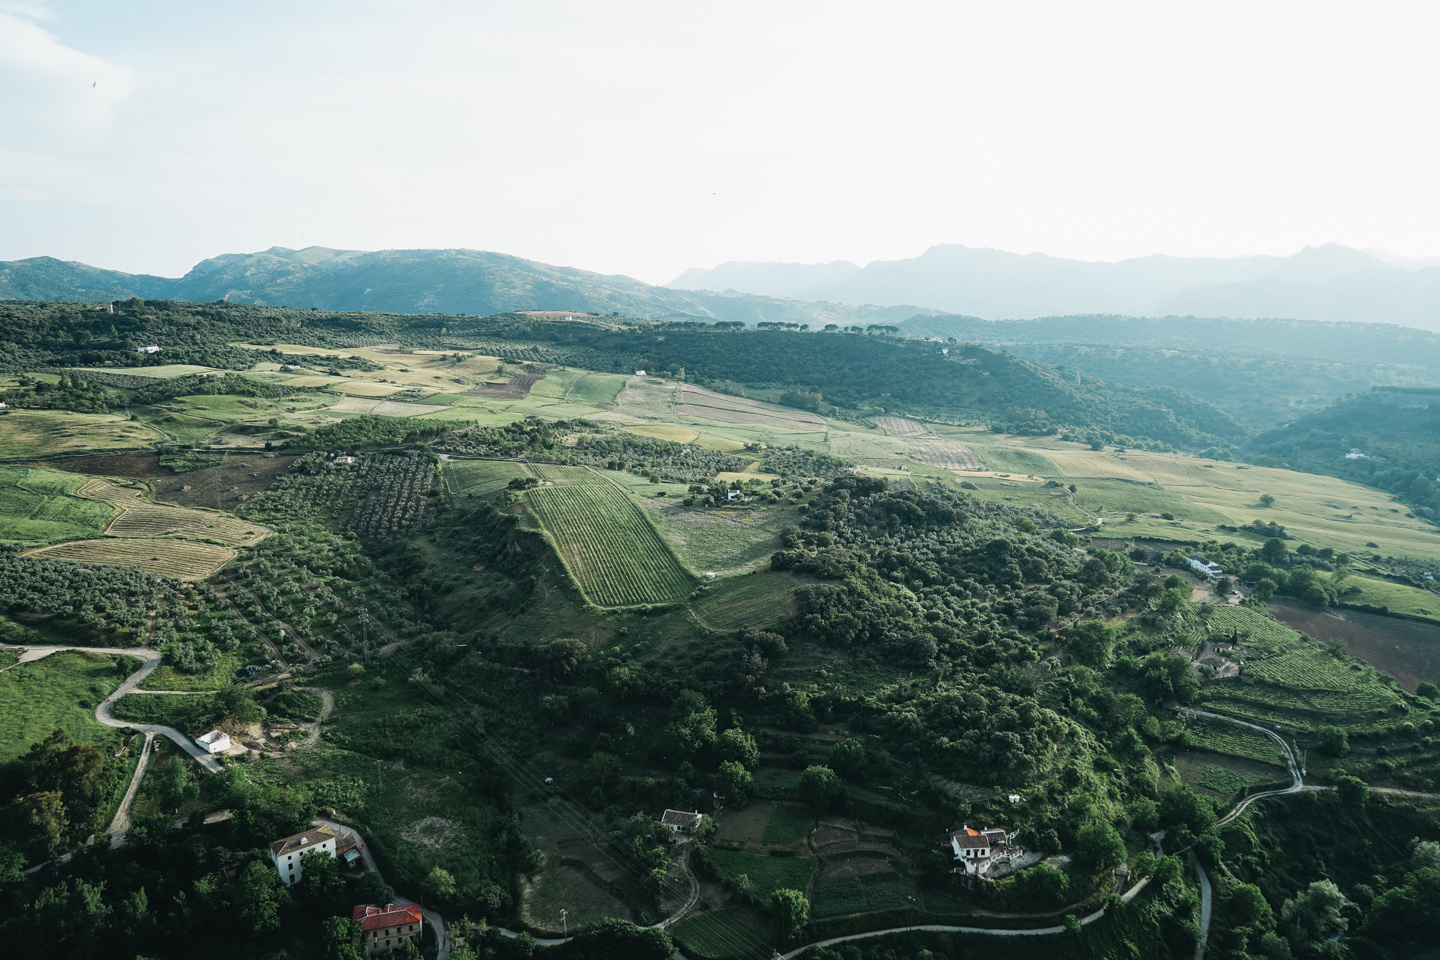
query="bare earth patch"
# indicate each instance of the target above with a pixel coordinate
(433, 833)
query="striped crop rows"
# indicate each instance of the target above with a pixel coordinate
(609, 547)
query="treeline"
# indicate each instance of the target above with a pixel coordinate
(369, 431)
(590, 443)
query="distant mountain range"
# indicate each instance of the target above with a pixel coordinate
(416, 281)
(1329, 283)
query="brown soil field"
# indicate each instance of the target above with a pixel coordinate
(876, 847)
(748, 825)
(514, 390)
(239, 476)
(1407, 650)
(945, 453)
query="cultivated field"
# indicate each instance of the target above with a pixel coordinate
(611, 550)
(385, 408)
(709, 405)
(60, 691)
(181, 559)
(37, 506)
(480, 477)
(27, 434)
(141, 518)
(945, 453)
(746, 603)
(900, 427)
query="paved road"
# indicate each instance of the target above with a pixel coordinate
(104, 712)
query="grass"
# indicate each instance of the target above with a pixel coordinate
(608, 546)
(788, 824)
(767, 873)
(716, 540)
(715, 936)
(166, 677)
(186, 713)
(167, 371)
(745, 603)
(299, 705)
(30, 434)
(59, 691)
(839, 897)
(140, 518)
(38, 506)
(480, 477)
(1405, 600)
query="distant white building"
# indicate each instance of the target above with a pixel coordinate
(639, 373)
(679, 821)
(285, 854)
(149, 349)
(214, 742)
(1202, 566)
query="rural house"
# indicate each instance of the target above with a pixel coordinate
(149, 349)
(978, 849)
(1202, 566)
(679, 821)
(214, 742)
(285, 854)
(388, 927)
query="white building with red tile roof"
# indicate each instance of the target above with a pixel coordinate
(388, 927)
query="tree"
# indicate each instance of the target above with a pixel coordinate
(820, 787)
(734, 783)
(341, 939)
(1250, 906)
(1353, 790)
(261, 897)
(1099, 847)
(1315, 914)
(1266, 500)
(793, 911)
(440, 882)
(1091, 642)
(735, 744)
(1044, 885)
(1181, 806)
(1334, 742)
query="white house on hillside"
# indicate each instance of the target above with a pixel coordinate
(214, 742)
(978, 849)
(1204, 567)
(285, 854)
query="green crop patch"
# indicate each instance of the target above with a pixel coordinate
(1222, 737)
(768, 874)
(606, 543)
(60, 691)
(788, 824)
(38, 506)
(481, 477)
(746, 603)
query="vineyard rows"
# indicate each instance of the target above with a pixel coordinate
(1248, 627)
(610, 549)
(1220, 737)
(182, 559)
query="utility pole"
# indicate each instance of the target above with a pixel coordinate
(564, 925)
(365, 632)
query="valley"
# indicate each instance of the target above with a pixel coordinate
(558, 582)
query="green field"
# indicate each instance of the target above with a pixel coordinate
(746, 603)
(606, 543)
(767, 873)
(788, 824)
(60, 691)
(36, 506)
(716, 936)
(839, 897)
(597, 388)
(1252, 628)
(166, 677)
(480, 477)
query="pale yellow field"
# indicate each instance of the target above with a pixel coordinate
(182, 559)
(364, 388)
(141, 518)
(385, 408)
(675, 434)
(311, 381)
(166, 371)
(40, 433)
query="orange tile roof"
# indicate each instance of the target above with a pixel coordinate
(371, 917)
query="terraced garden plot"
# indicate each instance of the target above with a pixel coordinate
(788, 824)
(945, 453)
(767, 873)
(140, 518)
(181, 559)
(606, 543)
(900, 427)
(697, 402)
(36, 506)
(1221, 737)
(719, 935)
(1249, 627)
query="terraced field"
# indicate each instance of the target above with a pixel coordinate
(697, 402)
(900, 427)
(181, 559)
(945, 453)
(481, 477)
(606, 543)
(141, 518)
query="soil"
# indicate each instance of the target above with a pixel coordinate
(1407, 650)
(239, 477)
(514, 390)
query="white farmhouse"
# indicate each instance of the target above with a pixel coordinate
(679, 821)
(978, 849)
(1204, 567)
(214, 742)
(285, 854)
(150, 349)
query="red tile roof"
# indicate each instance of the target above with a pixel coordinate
(371, 917)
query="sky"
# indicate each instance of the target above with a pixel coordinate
(644, 138)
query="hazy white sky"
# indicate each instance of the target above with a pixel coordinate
(647, 137)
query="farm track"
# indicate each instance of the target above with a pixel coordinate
(223, 591)
(310, 654)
